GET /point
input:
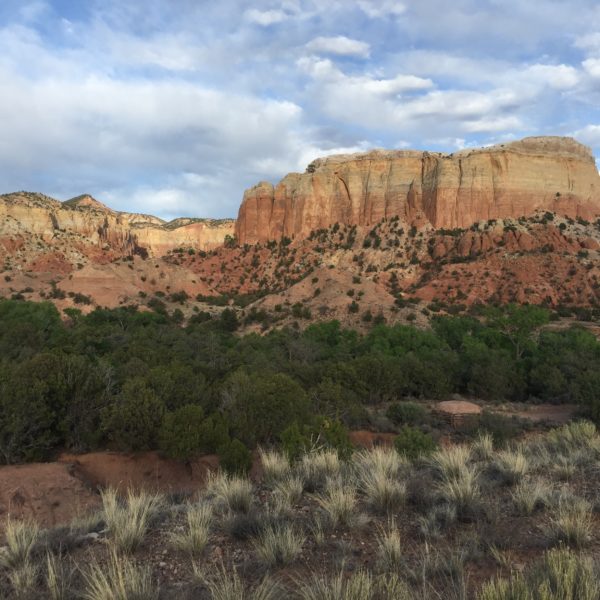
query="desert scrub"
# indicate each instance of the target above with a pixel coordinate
(450, 463)
(127, 520)
(119, 579)
(531, 495)
(279, 545)
(194, 538)
(380, 459)
(21, 537)
(383, 493)
(570, 522)
(230, 492)
(462, 491)
(562, 575)
(287, 492)
(482, 448)
(511, 466)
(226, 584)
(360, 585)
(275, 465)
(339, 503)
(58, 578)
(315, 468)
(389, 548)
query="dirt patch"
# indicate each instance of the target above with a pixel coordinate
(47, 492)
(555, 414)
(145, 470)
(370, 439)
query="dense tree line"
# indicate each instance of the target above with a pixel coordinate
(133, 381)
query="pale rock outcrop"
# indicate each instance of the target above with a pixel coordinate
(446, 190)
(27, 214)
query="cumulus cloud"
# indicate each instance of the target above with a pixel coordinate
(265, 17)
(176, 107)
(377, 9)
(340, 45)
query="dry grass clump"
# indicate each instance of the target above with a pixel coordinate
(275, 465)
(316, 468)
(450, 463)
(127, 520)
(562, 575)
(230, 492)
(563, 467)
(279, 545)
(21, 537)
(194, 538)
(437, 520)
(360, 585)
(462, 492)
(389, 548)
(58, 578)
(377, 473)
(226, 584)
(287, 492)
(512, 465)
(529, 496)
(339, 502)
(119, 579)
(482, 448)
(571, 521)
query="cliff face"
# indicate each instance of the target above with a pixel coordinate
(90, 222)
(448, 191)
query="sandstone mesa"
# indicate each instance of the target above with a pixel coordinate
(445, 190)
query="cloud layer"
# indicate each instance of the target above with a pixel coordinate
(174, 107)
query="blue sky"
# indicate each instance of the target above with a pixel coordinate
(174, 107)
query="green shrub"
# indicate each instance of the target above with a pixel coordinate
(412, 442)
(235, 458)
(181, 433)
(406, 413)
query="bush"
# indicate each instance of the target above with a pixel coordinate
(181, 433)
(135, 419)
(234, 457)
(406, 413)
(412, 442)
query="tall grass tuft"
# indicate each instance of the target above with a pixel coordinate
(226, 584)
(287, 492)
(389, 548)
(128, 520)
(571, 522)
(58, 578)
(231, 492)
(339, 503)
(21, 537)
(317, 467)
(360, 585)
(529, 496)
(119, 579)
(377, 473)
(275, 465)
(462, 491)
(279, 545)
(450, 463)
(562, 575)
(483, 447)
(194, 538)
(512, 465)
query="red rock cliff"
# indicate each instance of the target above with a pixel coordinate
(448, 190)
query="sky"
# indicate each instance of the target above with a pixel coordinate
(174, 107)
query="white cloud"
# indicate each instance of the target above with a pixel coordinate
(265, 17)
(590, 134)
(592, 67)
(340, 45)
(377, 9)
